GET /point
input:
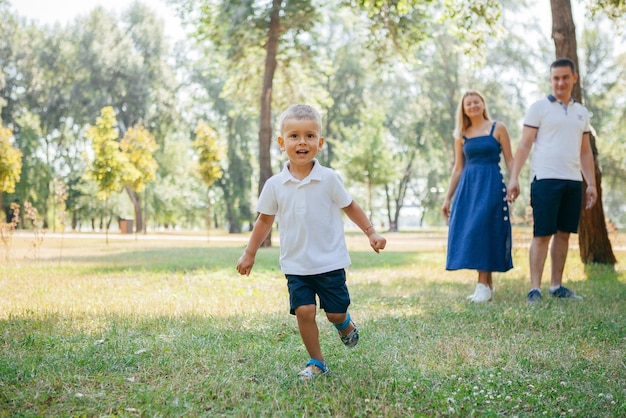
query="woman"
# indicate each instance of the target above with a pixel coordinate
(479, 234)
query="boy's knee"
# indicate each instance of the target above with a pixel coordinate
(305, 311)
(336, 318)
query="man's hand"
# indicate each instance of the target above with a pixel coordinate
(591, 196)
(512, 191)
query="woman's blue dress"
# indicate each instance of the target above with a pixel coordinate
(479, 233)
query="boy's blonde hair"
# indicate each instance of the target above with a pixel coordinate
(462, 121)
(299, 111)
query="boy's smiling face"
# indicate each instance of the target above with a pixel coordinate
(301, 140)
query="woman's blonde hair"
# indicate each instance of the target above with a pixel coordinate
(462, 121)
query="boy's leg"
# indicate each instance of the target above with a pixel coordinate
(338, 319)
(348, 332)
(309, 332)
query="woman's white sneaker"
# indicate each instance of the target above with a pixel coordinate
(482, 293)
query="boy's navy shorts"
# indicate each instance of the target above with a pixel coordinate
(556, 206)
(330, 288)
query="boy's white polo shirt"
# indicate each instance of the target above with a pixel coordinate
(556, 153)
(309, 217)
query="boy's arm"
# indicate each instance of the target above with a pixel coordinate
(262, 227)
(358, 216)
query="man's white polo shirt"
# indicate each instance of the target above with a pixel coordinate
(309, 217)
(556, 153)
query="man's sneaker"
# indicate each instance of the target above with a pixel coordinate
(564, 292)
(533, 296)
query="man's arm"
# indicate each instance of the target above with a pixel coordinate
(589, 171)
(521, 155)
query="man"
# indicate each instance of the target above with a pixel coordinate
(559, 129)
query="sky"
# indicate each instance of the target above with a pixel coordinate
(64, 11)
(51, 11)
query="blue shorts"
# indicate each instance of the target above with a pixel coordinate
(556, 206)
(329, 287)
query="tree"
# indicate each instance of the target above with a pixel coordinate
(10, 162)
(367, 158)
(604, 94)
(593, 239)
(140, 146)
(109, 166)
(247, 31)
(209, 157)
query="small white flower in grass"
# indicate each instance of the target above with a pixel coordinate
(143, 350)
(475, 388)
(130, 379)
(367, 400)
(450, 400)
(79, 395)
(563, 383)
(451, 410)
(97, 342)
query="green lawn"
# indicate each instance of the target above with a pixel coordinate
(168, 328)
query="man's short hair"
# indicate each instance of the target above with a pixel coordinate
(564, 62)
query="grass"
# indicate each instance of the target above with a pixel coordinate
(161, 328)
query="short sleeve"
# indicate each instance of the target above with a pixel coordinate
(587, 122)
(533, 115)
(340, 195)
(268, 203)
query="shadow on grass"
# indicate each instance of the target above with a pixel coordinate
(192, 259)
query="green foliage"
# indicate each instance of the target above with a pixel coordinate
(109, 164)
(140, 145)
(614, 9)
(210, 153)
(10, 161)
(116, 164)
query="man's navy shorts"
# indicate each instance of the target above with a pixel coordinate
(556, 206)
(330, 288)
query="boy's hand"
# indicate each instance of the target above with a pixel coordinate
(377, 242)
(245, 263)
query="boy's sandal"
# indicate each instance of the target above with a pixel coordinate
(351, 338)
(313, 369)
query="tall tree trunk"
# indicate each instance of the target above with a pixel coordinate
(593, 238)
(265, 129)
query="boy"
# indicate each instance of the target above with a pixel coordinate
(306, 199)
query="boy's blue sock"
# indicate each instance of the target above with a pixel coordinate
(345, 324)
